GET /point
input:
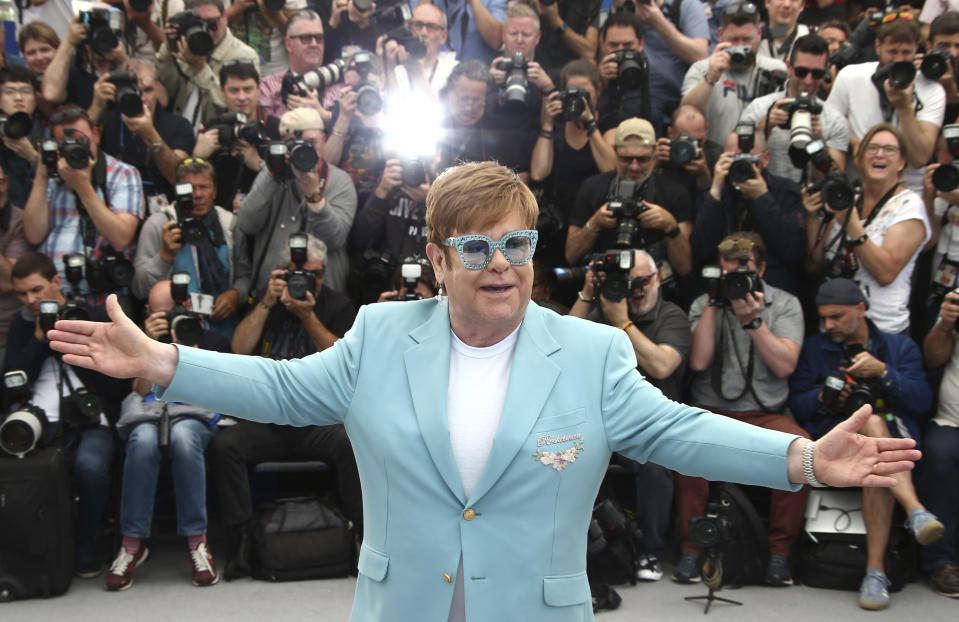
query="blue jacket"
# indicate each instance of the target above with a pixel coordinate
(905, 388)
(574, 397)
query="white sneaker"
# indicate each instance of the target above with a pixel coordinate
(649, 569)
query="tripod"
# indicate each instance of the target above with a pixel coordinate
(712, 573)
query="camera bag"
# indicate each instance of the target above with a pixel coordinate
(301, 538)
(744, 547)
(36, 525)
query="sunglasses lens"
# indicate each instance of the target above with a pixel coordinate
(518, 248)
(475, 252)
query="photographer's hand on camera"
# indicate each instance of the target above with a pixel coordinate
(538, 76)
(142, 126)
(156, 325)
(865, 365)
(551, 108)
(184, 55)
(310, 187)
(811, 202)
(720, 171)
(949, 313)
(348, 102)
(76, 179)
(302, 309)
(601, 219)
(310, 100)
(23, 148)
(206, 143)
(609, 68)
(777, 116)
(391, 178)
(616, 312)
(76, 33)
(656, 217)
(337, 12)
(172, 238)
(250, 154)
(718, 63)
(900, 99)
(748, 309)
(754, 187)
(104, 93)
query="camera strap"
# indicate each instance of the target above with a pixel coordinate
(841, 235)
(716, 375)
(88, 229)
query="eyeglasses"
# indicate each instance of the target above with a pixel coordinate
(418, 25)
(741, 8)
(729, 246)
(26, 91)
(476, 251)
(802, 72)
(470, 102)
(305, 39)
(891, 17)
(641, 282)
(625, 159)
(888, 150)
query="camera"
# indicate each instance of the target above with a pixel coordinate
(105, 28)
(192, 229)
(900, 75)
(186, 324)
(935, 64)
(16, 125)
(51, 311)
(82, 409)
(741, 169)
(862, 391)
(233, 126)
(574, 100)
(837, 194)
(76, 151)
(414, 171)
(368, 99)
(299, 83)
(615, 264)
(683, 149)
(745, 136)
(390, 17)
(514, 95)
(128, 98)
(709, 531)
(734, 285)
(108, 272)
(197, 31)
(741, 57)
(301, 154)
(299, 282)
(410, 42)
(946, 177)
(411, 272)
(800, 109)
(633, 69)
(49, 156)
(22, 429)
(626, 205)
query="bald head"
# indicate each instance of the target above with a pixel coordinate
(160, 298)
(759, 143)
(689, 119)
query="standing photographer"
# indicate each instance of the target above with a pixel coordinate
(21, 135)
(943, 40)
(860, 363)
(746, 341)
(624, 69)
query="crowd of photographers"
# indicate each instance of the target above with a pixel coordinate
(762, 197)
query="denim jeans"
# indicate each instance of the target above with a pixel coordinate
(91, 472)
(939, 487)
(188, 440)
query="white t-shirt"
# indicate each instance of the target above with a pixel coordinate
(445, 62)
(474, 403)
(948, 413)
(934, 8)
(855, 97)
(48, 386)
(948, 245)
(56, 14)
(888, 305)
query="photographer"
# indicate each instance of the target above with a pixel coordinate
(723, 88)
(285, 200)
(687, 166)
(13, 244)
(38, 43)
(860, 363)
(424, 286)
(429, 24)
(883, 91)
(86, 210)
(659, 332)
(191, 77)
(744, 196)
(835, 33)
(775, 114)
(145, 424)
(349, 28)
(86, 436)
(250, 20)
(22, 130)
(153, 140)
(476, 28)
(218, 262)
(625, 71)
(782, 28)
(877, 241)
(752, 331)
(944, 38)
(570, 30)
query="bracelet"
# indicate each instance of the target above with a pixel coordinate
(710, 82)
(156, 147)
(315, 198)
(266, 306)
(754, 324)
(591, 127)
(590, 228)
(625, 327)
(547, 134)
(337, 132)
(583, 298)
(857, 241)
(807, 465)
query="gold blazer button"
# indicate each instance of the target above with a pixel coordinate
(447, 578)
(469, 514)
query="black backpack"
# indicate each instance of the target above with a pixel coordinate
(744, 549)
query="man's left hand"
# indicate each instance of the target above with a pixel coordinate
(183, 53)
(300, 308)
(225, 305)
(747, 309)
(616, 312)
(142, 126)
(755, 187)
(865, 365)
(538, 76)
(76, 179)
(656, 217)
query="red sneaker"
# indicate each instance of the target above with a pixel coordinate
(204, 570)
(120, 576)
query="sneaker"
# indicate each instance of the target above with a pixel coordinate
(120, 576)
(91, 572)
(778, 573)
(945, 580)
(925, 526)
(649, 568)
(687, 570)
(874, 591)
(204, 570)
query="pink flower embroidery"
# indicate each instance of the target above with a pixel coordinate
(559, 460)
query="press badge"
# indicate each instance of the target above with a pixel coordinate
(156, 203)
(946, 273)
(202, 303)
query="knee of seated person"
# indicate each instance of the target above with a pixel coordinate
(875, 427)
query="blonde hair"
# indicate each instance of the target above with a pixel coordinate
(476, 195)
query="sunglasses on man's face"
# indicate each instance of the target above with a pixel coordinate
(802, 72)
(305, 39)
(476, 251)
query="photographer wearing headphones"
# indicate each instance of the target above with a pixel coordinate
(285, 199)
(851, 363)
(746, 340)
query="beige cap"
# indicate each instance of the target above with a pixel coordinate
(299, 120)
(635, 131)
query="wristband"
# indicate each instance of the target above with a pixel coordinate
(807, 465)
(156, 147)
(337, 132)
(590, 228)
(672, 233)
(754, 324)
(266, 306)
(857, 241)
(625, 327)
(561, 29)
(591, 127)
(315, 198)
(710, 82)
(547, 134)
(583, 298)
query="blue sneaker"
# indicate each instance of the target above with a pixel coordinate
(687, 570)
(925, 526)
(778, 573)
(874, 591)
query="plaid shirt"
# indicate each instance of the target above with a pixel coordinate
(271, 100)
(125, 193)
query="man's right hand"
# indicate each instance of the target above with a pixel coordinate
(392, 178)
(720, 171)
(777, 117)
(812, 202)
(551, 108)
(663, 152)
(499, 75)
(275, 287)
(949, 311)
(104, 92)
(609, 68)
(603, 218)
(206, 143)
(156, 325)
(348, 102)
(76, 33)
(336, 16)
(172, 238)
(718, 62)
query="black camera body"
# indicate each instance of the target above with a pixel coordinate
(391, 16)
(741, 169)
(414, 171)
(946, 177)
(82, 408)
(300, 83)
(633, 69)
(51, 311)
(615, 264)
(837, 194)
(128, 98)
(900, 75)
(683, 149)
(411, 272)
(368, 99)
(74, 149)
(800, 109)
(410, 42)
(299, 282)
(108, 272)
(294, 152)
(23, 426)
(50, 156)
(198, 32)
(862, 390)
(710, 531)
(626, 204)
(16, 125)
(193, 230)
(574, 101)
(517, 86)
(936, 63)
(741, 57)
(233, 126)
(105, 28)
(734, 285)
(188, 327)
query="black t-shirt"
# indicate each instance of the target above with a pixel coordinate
(284, 336)
(348, 34)
(578, 15)
(571, 167)
(479, 143)
(124, 145)
(80, 86)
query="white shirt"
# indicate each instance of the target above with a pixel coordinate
(48, 386)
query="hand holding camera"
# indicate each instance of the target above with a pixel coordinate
(76, 179)
(391, 179)
(156, 326)
(865, 365)
(719, 62)
(949, 311)
(348, 102)
(656, 217)
(76, 33)
(538, 76)
(747, 309)
(300, 308)
(603, 218)
(172, 236)
(551, 109)
(755, 186)
(207, 142)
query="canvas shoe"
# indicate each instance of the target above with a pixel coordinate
(120, 576)
(204, 570)
(687, 570)
(649, 568)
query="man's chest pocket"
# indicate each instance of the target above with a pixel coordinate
(559, 421)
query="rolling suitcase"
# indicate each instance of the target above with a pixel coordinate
(36, 525)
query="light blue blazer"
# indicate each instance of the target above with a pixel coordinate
(574, 397)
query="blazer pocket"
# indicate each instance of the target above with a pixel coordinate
(562, 420)
(372, 563)
(566, 590)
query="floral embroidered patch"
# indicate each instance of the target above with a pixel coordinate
(559, 460)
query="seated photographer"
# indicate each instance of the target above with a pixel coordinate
(80, 405)
(390, 225)
(942, 50)
(798, 111)
(744, 196)
(13, 244)
(891, 91)
(296, 191)
(782, 28)
(21, 130)
(630, 208)
(624, 70)
(853, 362)
(190, 69)
(941, 452)
(660, 335)
(238, 163)
(146, 137)
(84, 202)
(197, 237)
(679, 155)
(297, 316)
(152, 428)
(877, 241)
(349, 28)
(724, 84)
(753, 332)
(38, 43)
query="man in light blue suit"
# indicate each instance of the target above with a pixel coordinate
(482, 424)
